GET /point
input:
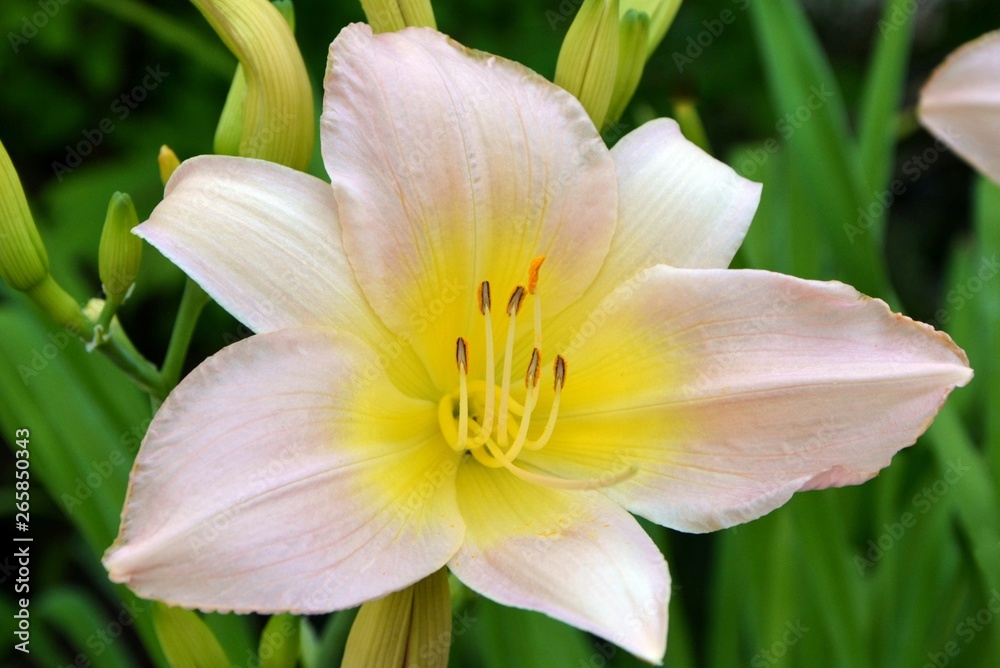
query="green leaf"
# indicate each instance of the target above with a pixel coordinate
(987, 308)
(813, 123)
(541, 641)
(186, 640)
(78, 618)
(883, 92)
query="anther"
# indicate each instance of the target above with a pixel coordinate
(484, 297)
(514, 304)
(462, 355)
(559, 371)
(534, 370)
(536, 264)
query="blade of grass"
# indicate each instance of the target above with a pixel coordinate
(882, 95)
(987, 383)
(815, 128)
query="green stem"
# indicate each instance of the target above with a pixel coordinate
(192, 302)
(124, 356)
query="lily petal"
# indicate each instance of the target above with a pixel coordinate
(731, 390)
(264, 241)
(576, 556)
(275, 462)
(961, 103)
(451, 167)
(677, 205)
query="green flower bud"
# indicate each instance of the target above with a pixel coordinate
(186, 640)
(631, 61)
(120, 251)
(686, 115)
(269, 106)
(391, 15)
(280, 641)
(661, 14)
(23, 261)
(588, 60)
(415, 622)
(168, 163)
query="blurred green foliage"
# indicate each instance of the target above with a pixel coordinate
(887, 574)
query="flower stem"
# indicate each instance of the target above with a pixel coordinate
(192, 302)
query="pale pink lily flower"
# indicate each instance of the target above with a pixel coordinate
(960, 103)
(348, 449)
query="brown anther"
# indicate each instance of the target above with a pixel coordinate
(516, 298)
(536, 264)
(534, 369)
(484, 297)
(559, 370)
(462, 355)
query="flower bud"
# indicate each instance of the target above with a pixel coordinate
(686, 115)
(269, 106)
(168, 162)
(186, 640)
(631, 61)
(391, 15)
(661, 15)
(588, 60)
(392, 631)
(23, 261)
(120, 251)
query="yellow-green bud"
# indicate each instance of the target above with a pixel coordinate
(661, 15)
(23, 261)
(415, 622)
(168, 162)
(120, 251)
(186, 640)
(391, 15)
(631, 61)
(280, 642)
(272, 109)
(686, 115)
(588, 59)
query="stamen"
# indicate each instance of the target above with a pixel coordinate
(534, 370)
(559, 371)
(484, 297)
(462, 357)
(533, 270)
(530, 382)
(495, 453)
(551, 481)
(484, 308)
(513, 306)
(536, 264)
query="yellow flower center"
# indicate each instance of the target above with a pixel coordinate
(484, 420)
